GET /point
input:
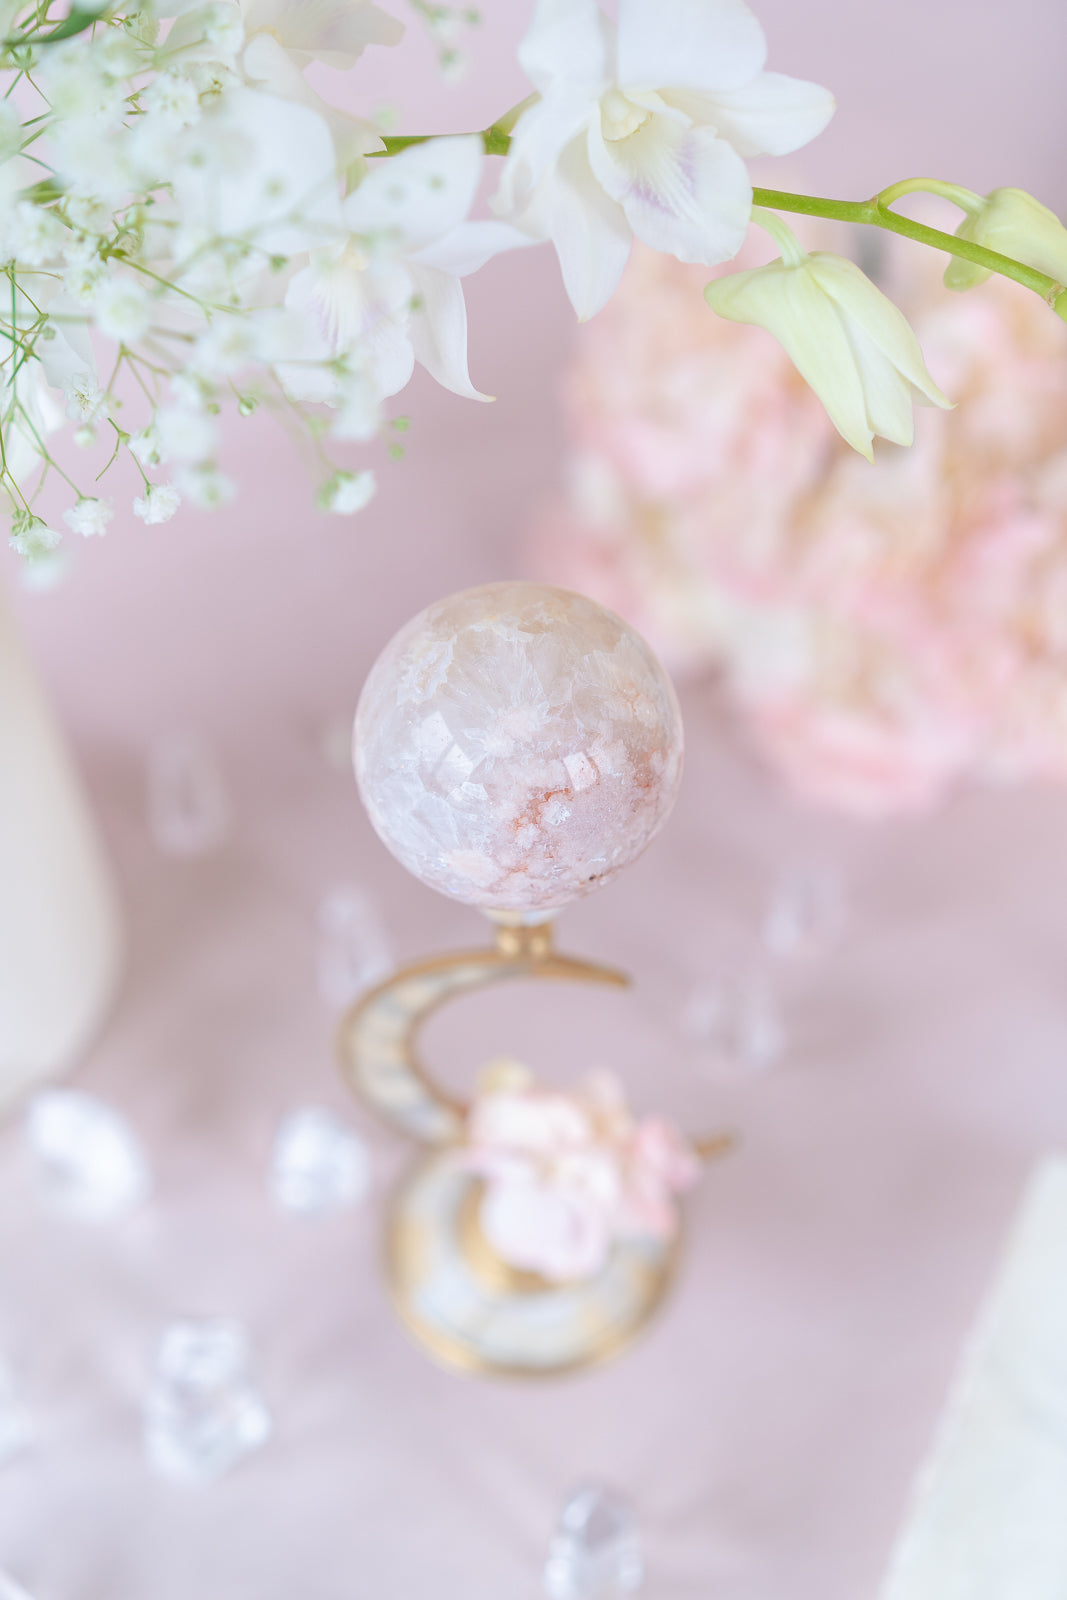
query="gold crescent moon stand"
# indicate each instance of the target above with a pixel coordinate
(470, 1309)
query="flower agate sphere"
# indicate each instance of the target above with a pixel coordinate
(516, 745)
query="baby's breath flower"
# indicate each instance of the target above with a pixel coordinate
(142, 25)
(225, 347)
(211, 79)
(172, 99)
(89, 213)
(223, 27)
(86, 270)
(86, 401)
(206, 486)
(84, 277)
(123, 310)
(116, 54)
(158, 504)
(184, 433)
(31, 536)
(347, 492)
(144, 446)
(33, 235)
(88, 516)
(77, 85)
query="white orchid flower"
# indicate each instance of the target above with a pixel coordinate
(390, 294)
(273, 41)
(335, 32)
(260, 170)
(285, 36)
(847, 340)
(270, 66)
(1014, 223)
(643, 130)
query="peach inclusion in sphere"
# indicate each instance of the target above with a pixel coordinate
(516, 745)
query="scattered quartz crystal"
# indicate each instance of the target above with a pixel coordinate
(353, 951)
(595, 1553)
(87, 1155)
(188, 804)
(14, 1422)
(320, 1165)
(806, 914)
(203, 1415)
(737, 1019)
(517, 745)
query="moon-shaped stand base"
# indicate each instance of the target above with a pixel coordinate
(473, 1312)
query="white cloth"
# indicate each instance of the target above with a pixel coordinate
(990, 1514)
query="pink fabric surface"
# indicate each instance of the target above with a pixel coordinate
(768, 1426)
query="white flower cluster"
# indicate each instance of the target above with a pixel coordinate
(187, 226)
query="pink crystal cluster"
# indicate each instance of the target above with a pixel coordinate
(885, 632)
(567, 1174)
(516, 745)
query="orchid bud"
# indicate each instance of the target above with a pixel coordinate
(1013, 223)
(847, 340)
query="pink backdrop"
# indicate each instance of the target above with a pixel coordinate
(769, 1426)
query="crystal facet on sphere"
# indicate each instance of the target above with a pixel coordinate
(517, 745)
(595, 1553)
(203, 1414)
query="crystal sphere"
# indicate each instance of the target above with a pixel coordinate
(516, 745)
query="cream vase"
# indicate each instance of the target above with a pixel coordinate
(60, 931)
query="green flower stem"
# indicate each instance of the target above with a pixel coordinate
(876, 214)
(42, 448)
(781, 233)
(75, 23)
(496, 139)
(5, 476)
(966, 199)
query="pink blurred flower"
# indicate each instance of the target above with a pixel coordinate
(884, 632)
(566, 1174)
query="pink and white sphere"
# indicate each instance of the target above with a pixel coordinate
(517, 745)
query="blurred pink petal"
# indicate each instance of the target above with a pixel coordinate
(885, 633)
(566, 1174)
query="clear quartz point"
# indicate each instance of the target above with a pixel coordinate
(320, 1164)
(806, 913)
(738, 1020)
(203, 1414)
(88, 1157)
(595, 1552)
(14, 1422)
(188, 803)
(353, 947)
